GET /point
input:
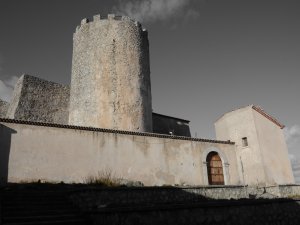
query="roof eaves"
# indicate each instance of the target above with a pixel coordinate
(268, 116)
(6, 120)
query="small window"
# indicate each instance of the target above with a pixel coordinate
(244, 142)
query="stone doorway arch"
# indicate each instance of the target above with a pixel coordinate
(225, 165)
(214, 169)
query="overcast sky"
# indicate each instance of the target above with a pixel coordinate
(207, 57)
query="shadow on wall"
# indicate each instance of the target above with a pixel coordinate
(155, 205)
(161, 205)
(5, 142)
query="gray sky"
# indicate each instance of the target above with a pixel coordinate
(207, 57)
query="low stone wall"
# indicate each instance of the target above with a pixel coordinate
(189, 205)
(268, 212)
(94, 198)
(284, 191)
(168, 205)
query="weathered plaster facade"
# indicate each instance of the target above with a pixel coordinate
(110, 85)
(35, 99)
(72, 155)
(264, 161)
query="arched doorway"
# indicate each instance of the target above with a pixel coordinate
(214, 169)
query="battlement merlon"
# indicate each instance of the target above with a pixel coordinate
(110, 17)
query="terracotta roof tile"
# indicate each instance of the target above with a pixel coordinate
(269, 117)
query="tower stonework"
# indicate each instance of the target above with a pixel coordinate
(38, 100)
(110, 85)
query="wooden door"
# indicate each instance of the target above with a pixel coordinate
(214, 169)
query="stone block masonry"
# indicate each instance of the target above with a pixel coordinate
(3, 108)
(259, 212)
(35, 99)
(189, 205)
(91, 198)
(110, 86)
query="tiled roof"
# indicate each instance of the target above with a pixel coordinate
(5, 120)
(269, 117)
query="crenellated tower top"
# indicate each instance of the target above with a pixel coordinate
(110, 17)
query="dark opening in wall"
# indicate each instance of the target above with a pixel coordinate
(244, 141)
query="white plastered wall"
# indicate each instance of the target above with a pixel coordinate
(264, 161)
(277, 165)
(234, 126)
(70, 155)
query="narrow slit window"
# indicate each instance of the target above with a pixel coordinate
(244, 142)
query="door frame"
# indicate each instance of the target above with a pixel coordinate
(225, 165)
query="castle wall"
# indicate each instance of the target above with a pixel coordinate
(3, 108)
(274, 151)
(35, 99)
(110, 85)
(73, 154)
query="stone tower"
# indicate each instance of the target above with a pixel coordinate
(110, 85)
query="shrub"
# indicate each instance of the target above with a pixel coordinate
(103, 178)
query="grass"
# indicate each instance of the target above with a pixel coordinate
(104, 178)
